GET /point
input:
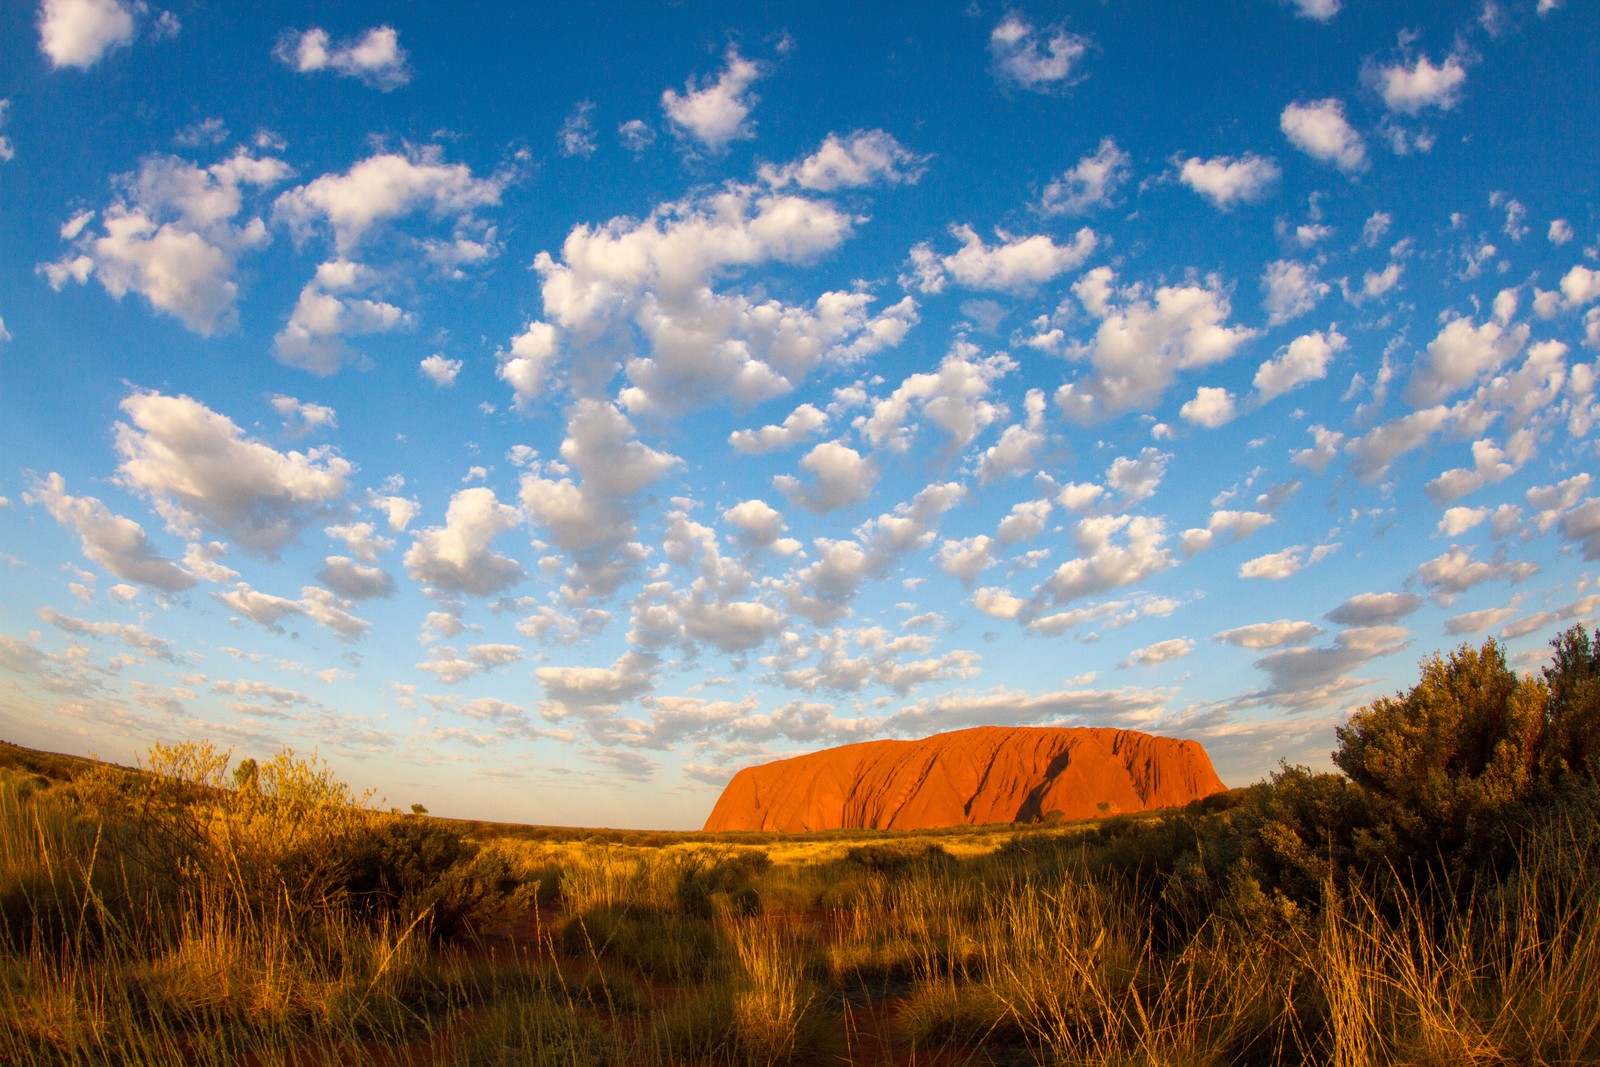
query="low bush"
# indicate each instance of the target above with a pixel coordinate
(728, 881)
(897, 857)
(399, 869)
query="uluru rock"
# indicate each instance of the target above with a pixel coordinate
(987, 774)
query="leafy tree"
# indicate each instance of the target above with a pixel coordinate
(247, 776)
(1572, 727)
(1447, 764)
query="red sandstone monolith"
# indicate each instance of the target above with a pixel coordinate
(988, 774)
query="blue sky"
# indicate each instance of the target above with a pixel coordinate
(542, 413)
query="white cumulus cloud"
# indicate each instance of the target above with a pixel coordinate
(1227, 181)
(1143, 341)
(201, 471)
(1459, 355)
(456, 557)
(439, 370)
(865, 157)
(839, 476)
(1211, 407)
(171, 236)
(1040, 60)
(118, 544)
(383, 187)
(1410, 88)
(1319, 129)
(1291, 289)
(715, 113)
(375, 57)
(1091, 183)
(1305, 359)
(78, 33)
(1015, 264)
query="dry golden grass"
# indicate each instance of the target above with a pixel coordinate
(678, 953)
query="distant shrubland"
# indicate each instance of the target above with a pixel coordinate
(1431, 902)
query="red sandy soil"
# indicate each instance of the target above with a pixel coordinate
(988, 774)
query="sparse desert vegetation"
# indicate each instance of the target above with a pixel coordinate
(1431, 905)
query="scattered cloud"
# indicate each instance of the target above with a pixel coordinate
(375, 57)
(715, 113)
(1291, 290)
(1319, 129)
(201, 472)
(1092, 183)
(576, 136)
(456, 557)
(173, 235)
(450, 668)
(118, 544)
(800, 423)
(954, 397)
(1143, 340)
(381, 188)
(592, 518)
(1286, 563)
(839, 476)
(439, 370)
(1316, 10)
(1228, 181)
(1455, 571)
(1374, 609)
(1459, 355)
(1015, 264)
(133, 636)
(1409, 88)
(1103, 563)
(1307, 676)
(1270, 634)
(1211, 407)
(327, 312)
(1305, 359)
(1038, 60)
(79, 33)
(1160, 652)
(865, 157)
(645, 287)
(303, 417)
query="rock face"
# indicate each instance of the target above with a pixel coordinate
(984, 775)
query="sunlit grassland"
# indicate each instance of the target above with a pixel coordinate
(1041, 951)
(192, 915)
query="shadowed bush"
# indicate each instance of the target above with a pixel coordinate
(728, 881)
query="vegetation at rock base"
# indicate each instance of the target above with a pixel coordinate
(1431, 904)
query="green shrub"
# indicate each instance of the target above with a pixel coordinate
(897, 857)
(399, 868)
(397, 862)
(1571, 748)
(1447, 764)
(484, 890)
(709, 881)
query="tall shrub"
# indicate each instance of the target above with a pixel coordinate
(1571, 751)
(1449, 763)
